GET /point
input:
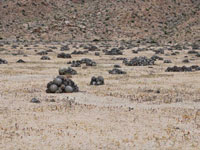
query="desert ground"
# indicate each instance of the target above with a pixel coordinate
(147, 108)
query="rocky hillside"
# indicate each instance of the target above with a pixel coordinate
(151, 20)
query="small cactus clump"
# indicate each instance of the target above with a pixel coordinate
(45, 58)
(140, 61)
(62, 84)
(116, 71)
(67, 71)
(2, 61)
(20, 61)
(97, 80)
(63, 55)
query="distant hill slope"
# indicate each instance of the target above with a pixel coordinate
(154, 20)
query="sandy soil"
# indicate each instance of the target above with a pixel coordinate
(125, 113)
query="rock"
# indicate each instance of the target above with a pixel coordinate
(97, 80)
(34, 100)
(2, 61)
(67, 71)
(139, 61)
(45, 58)
(63, 55)
(20, 61)
(116, 71)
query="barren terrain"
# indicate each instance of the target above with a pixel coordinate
(143, 20)
(154, 101)
(147, 108)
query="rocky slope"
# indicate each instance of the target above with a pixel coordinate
(150, 20)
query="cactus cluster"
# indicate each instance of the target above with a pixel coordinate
(62, 84)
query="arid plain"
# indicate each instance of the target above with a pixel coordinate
(146, 108)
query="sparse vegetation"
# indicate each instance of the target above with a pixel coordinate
(154, 102)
